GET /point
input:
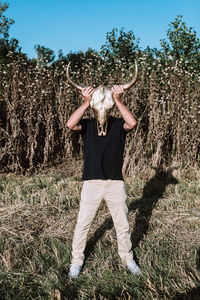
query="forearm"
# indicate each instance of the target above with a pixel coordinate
(77, 115)
(126, 115)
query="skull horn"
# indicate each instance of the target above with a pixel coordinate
(73, 83)
(133, 81)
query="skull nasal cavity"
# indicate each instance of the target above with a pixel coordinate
(101, 89)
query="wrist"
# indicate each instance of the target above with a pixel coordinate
(86, 103)
(87, 99)
(117, 100)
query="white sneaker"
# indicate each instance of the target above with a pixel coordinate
(133, 267)
(74, 271)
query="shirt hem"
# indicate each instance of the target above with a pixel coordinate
(86, 179)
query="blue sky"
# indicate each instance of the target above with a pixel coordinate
(76, 25)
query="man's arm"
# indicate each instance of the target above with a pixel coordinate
(73, 122)
(128, 117)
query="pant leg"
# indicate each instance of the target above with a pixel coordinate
(91, 197)
(115, 197)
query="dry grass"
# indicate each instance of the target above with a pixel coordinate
(38, 215)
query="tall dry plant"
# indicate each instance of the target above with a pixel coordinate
(36, 103)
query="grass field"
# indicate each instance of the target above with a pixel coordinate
(38, 215)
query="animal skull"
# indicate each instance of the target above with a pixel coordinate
(102, 101)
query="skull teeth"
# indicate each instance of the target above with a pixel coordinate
(102, 129)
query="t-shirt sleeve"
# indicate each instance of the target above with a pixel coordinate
(83, 123)
(121, 124)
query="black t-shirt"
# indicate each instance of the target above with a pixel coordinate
(103, 155)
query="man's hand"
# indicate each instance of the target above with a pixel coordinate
(117, 91)
(87, 93)
(128, 117)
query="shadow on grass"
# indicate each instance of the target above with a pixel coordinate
(70, 292)
(198, 259)
(193, 294)
(70, 286)
(153, 191)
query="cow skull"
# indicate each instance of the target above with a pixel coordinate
(102, 101)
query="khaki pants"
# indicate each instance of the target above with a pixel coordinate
(113, 192)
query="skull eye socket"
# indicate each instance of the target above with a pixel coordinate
(108, 104)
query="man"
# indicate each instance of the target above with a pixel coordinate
(102, 175)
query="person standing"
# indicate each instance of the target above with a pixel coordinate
(102, 176)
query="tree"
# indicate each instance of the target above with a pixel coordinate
(183, 43)
(7, 45)
(120, 45)
(45, 56)
(4, 21)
